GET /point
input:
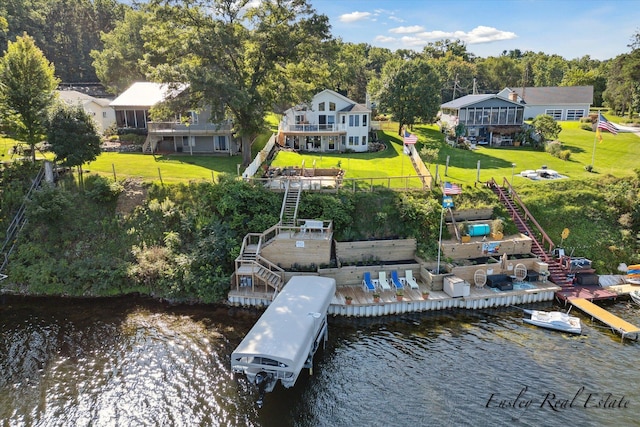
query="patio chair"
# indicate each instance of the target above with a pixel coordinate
(384, 283)
(410, 280)
(367, 284)
(395, 280)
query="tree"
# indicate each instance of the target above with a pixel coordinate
(496, 73)
(120, 63)
(238, 57)
(546, 127)
(73, 137)
(410, 91)
(27, 91)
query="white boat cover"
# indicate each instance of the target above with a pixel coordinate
(285, 333)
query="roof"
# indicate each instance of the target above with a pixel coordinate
(355, 108)
(467, 100)
(285, 331)
(556, 95)
(145, 94)
(75, 97)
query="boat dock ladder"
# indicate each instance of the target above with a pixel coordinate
(624, 328)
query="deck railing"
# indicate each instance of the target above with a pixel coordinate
(527, 215)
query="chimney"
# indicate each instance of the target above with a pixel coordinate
(513, 96)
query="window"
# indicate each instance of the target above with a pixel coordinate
(332, 106)
(364, 140)
(332, 142)
(556, 114)
(343, 119)
(188, 139)
(354, 140)
(364, 120)
(331, 121)
(104, 114)
(574, 114)
(221, 143)
(354, 120)
(494, 115)
(321, 106)
(503, 116)
(511, 115)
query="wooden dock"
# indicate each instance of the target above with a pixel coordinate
(624, 328)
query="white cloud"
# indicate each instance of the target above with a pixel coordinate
(480, 34)
(354, 16)
(484, 34)
(385, 39)
(407, 30)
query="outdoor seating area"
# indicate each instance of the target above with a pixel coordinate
(382, 283)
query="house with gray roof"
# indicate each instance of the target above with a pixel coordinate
(194, 132)
(560, 102)
(331, 122)
(488, 119)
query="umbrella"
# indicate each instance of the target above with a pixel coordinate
(503, 261)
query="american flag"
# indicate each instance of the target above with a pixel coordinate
(450, 189)
(606, 125)
(410, 138)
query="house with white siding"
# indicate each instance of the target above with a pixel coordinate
(560, 102)
(331, 122)
(97, 108)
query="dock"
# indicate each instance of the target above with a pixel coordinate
(624, 328)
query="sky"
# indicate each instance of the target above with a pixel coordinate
(569, 28)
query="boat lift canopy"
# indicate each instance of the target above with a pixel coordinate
(287, 334)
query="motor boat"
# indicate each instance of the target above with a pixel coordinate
(555, 320)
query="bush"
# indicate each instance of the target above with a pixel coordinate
(565, 155)
(587, 126)
(553, 148)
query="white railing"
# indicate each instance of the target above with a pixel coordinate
(260, 158)
(311, 127)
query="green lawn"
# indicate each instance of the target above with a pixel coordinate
(172, 169)
(615, 155)
(381, 165)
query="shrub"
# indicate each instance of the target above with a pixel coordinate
(587, 126)
(564, 154)
(553, 148)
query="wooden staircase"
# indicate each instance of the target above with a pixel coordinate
(290, 203)
(249, 264)
(527, 225)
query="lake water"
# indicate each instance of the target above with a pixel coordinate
(134, 362)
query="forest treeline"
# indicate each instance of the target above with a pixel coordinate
(109, 41)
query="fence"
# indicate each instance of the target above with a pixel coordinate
(260, 158)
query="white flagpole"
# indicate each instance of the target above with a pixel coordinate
(440, 239)
(595, 137)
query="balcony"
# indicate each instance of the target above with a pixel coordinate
(314, 128)
(177, 128)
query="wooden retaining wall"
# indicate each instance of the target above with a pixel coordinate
(352, 275)
(383, 250)
(520, 244)
(303, 252)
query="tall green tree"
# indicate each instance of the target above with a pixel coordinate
(120, 62)
(27, 91)
(239, 56)
(496, 73)
(410, 91)
(73, 137)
